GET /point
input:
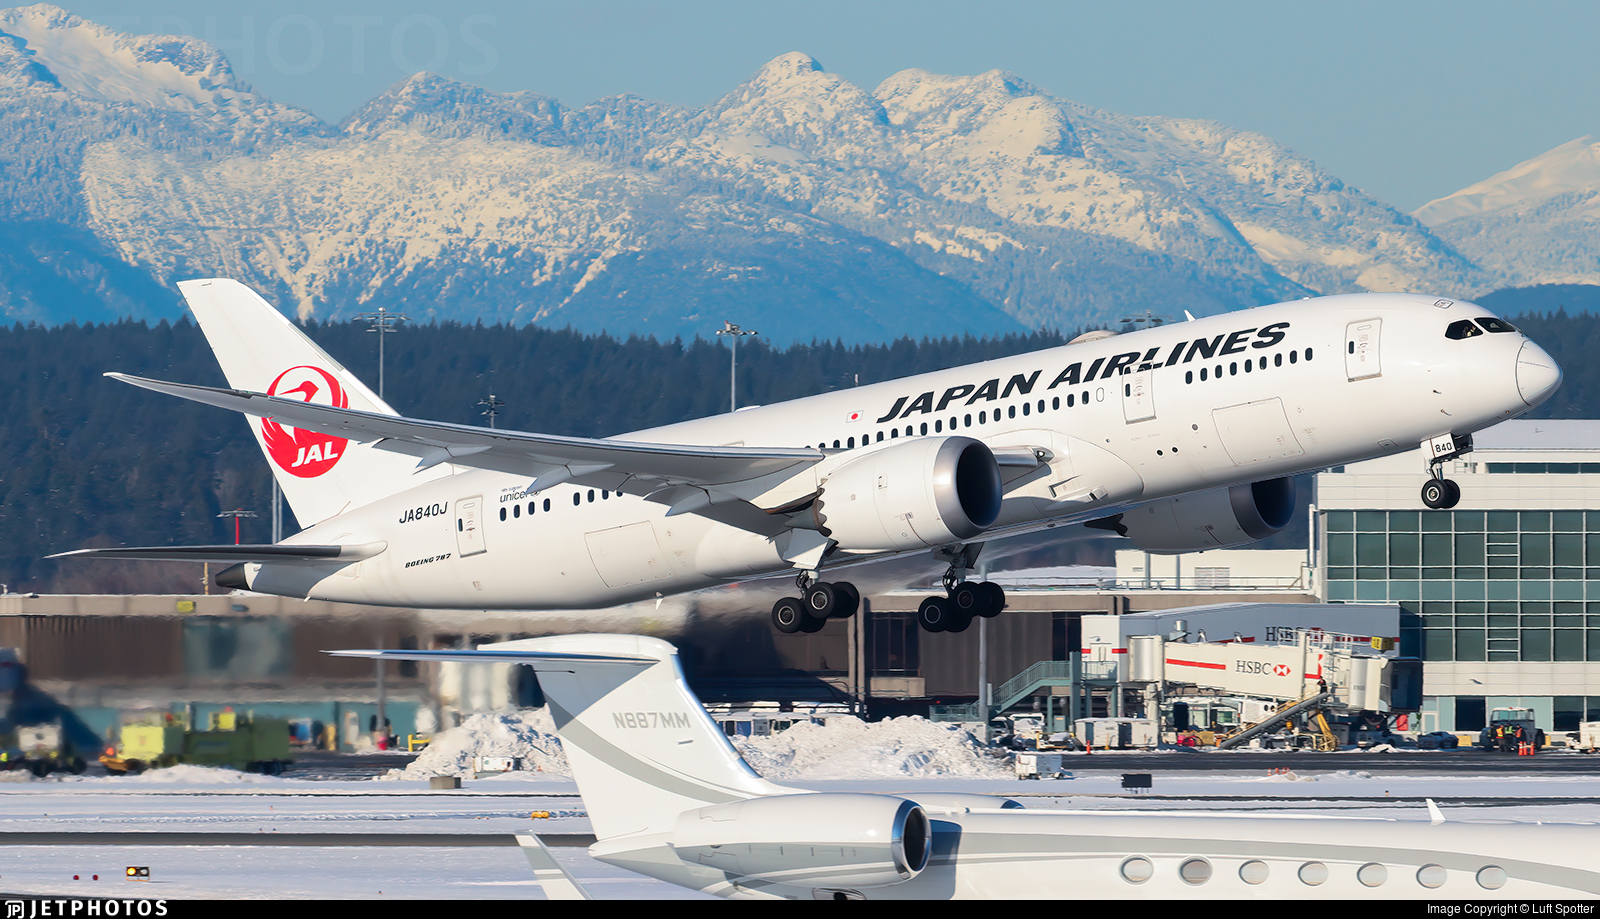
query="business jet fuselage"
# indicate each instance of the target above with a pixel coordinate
(1172, 435)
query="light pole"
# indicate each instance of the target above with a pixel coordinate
(382, 322)
(734, 332)
(491, 407)
(236, 514)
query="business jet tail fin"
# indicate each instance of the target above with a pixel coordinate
(641, 747)
(261, 351)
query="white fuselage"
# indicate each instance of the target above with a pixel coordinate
(1132, 418)
(1254, 857)
(1062, 855)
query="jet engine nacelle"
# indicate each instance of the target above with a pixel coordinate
(923, 492)
(1218, 519)
(809, 840)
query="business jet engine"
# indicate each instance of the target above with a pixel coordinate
(1218, 519)
(809, 840)
(923, 492)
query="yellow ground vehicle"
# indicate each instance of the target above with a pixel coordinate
(242, 742)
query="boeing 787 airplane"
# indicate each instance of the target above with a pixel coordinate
(1181, 437)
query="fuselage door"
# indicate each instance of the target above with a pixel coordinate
(1361, 349)
(1138, 400)
(469, 526)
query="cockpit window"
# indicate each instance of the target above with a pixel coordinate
(1496, 325)
(1462, 328)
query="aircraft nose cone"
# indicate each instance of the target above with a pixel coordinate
(1538, 375)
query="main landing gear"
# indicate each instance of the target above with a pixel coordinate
(963, 600)
(818, 602)
(1440, 493)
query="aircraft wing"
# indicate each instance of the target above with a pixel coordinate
(681, 476)
(231, 554)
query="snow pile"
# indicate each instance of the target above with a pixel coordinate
(184, 774)
(849, 748)
(529, 736)
(844, 748)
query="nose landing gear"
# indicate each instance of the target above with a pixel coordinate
(1440, 493)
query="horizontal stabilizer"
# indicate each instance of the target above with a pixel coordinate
(538, 660)
(233, 554)
(557, 882)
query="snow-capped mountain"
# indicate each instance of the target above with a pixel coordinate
(799, 203)
(1534, 223)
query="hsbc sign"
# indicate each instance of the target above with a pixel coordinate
(1262, 667)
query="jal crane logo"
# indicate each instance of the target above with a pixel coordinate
(299, 452)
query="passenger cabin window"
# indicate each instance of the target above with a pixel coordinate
(1461, 328)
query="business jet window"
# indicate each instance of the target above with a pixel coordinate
(1461, 328)
(1496, 325)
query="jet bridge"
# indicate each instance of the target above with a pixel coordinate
(1280, 672)
(1316, 673)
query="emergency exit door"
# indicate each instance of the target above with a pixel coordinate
(469, 526)
(1361, 349)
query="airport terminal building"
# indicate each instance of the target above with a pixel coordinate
(1500, 596)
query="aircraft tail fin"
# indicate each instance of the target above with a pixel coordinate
(641, 747)
(261, 351)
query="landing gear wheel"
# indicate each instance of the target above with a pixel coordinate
(787, 615)
(821, 600)
(934, 614)
(812, 624)
(846, 600)
(994, 599)
(1454, 496)
(959, 621)
(967, 599)
(1441, 494)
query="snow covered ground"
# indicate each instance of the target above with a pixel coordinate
(898, 756)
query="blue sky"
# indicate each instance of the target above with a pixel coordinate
(1406, 100)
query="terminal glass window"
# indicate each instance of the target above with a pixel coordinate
(1474, 585)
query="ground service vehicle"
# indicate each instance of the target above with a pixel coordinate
(1509, 728)
(235, 741)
